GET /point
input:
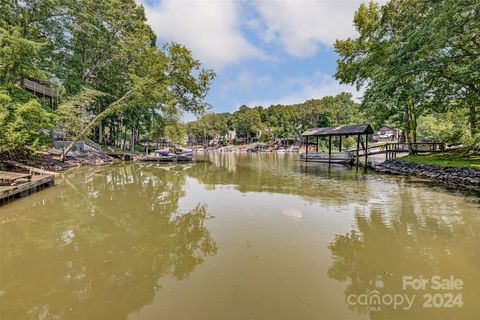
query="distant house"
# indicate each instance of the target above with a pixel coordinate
(387, 133)
(231, 135)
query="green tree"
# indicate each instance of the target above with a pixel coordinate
(282, 121)
(247, 121)
(26, 127)
(184, 87)
(330, 111)
(175, 132)
(414, 57)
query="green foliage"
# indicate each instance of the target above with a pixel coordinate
(104, 54)
(330, 111)
(474, 145)
(26, 127)
(414, 57)
(210, 125)
(19, 57)
(449, 127)
(279, 121)
(452, 159)
(247, 121)
(71, 115)
(175, 132)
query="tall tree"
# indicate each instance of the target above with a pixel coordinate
(413, 56)
(167, 80)
(247, 121)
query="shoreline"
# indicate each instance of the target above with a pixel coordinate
(458, 177)
(50, 163)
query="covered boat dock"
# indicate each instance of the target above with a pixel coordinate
(338, 157)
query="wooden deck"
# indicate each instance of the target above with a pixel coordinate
(40, 88)
(37, 182)
(7, 177)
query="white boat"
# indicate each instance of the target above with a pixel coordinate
(336, 157)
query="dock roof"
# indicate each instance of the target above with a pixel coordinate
(339, 131)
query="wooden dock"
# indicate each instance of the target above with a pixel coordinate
(24, 184)
(391, 149)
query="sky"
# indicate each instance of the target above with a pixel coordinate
(263, 52)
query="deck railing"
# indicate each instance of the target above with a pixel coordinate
(392, 148)
(39, 88)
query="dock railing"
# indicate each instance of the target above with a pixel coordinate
(390, 149)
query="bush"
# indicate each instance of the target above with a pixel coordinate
(449, 127)
(26, 127)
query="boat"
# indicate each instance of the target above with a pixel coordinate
(259, 147)
(168, 155)
(281, 150)
(293, 149)
(184, 154)
(336, 157)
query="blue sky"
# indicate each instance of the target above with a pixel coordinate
(263, 52)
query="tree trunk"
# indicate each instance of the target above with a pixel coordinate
(473, 99)
(407, 128)
(110, 133)
(133, 137)
(93, 123)
(473, 118)
(117, 134)
(100, 133)
(414, 126)
(124, 140)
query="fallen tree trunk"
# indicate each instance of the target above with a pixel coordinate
(29, 168)
(111, 108)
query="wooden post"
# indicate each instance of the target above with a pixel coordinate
(329, 148)
(358, 148)
(317, 143)
(306, 150)
(340, 145)
(366, 149)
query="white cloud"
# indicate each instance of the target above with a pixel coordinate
(245, 81)
(210, 28)
(315, 86)
(300, 27)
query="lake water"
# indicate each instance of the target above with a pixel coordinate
(240, 236)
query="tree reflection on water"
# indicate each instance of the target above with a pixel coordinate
(411, 241)
(98, 247)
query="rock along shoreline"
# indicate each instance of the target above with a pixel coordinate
(464, 178)
(49, 163)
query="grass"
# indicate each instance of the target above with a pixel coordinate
(450, 159)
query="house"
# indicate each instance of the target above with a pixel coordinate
(231, 135)
(387, 133)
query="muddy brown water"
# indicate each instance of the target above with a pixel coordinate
(240, 236)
